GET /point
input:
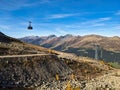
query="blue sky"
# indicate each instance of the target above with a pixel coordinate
(60, 17)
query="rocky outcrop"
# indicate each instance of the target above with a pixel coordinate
(109, 81)
(31, 71)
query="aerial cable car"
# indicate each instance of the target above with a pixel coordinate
(30, 27)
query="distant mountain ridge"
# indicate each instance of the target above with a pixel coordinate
(75, 41)
(80, 45)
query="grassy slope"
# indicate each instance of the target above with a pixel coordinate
(115, 65)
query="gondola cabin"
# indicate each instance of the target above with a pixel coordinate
(30, 27)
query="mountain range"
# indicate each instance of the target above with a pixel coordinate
(25, 66)
(108, 48)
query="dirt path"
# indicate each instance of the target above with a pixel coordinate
(28, 55)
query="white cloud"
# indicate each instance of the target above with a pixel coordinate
(61, 31)
(104, 19)
(89, 24)
(15, 4)
(11, 5)
(4, 27)
(98, 24)
(99, 20)
(117, 13)
(117, 27)
(56, 16)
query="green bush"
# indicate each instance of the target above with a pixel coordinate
(115, 65)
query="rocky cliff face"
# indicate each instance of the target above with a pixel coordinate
(31, 71)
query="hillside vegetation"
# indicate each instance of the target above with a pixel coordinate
(115, 65)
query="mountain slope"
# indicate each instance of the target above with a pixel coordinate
(24, 65)
(108, 43)
(82, 45)
(28, 66)
(12, 46)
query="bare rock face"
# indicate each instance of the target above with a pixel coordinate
(108, 81)
(31, 71)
